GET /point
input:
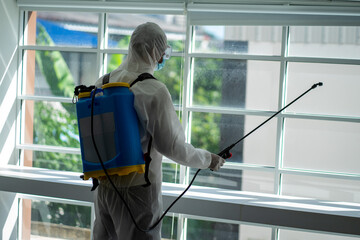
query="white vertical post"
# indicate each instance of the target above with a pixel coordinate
(281, 104)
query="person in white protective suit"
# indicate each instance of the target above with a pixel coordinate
(157, 118)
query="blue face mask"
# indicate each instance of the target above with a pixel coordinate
(166, 56)
(159, 66)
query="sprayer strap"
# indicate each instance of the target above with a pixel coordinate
(147, 159)
(142, 77)
(147, 156)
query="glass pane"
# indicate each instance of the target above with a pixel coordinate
(339, 95)
(170, 75)
(114, 61)
(324, 41)
(331, 189)
(322, 145)
(171, 172)
(52, 123)
(215, 132)
(58, 220)
(211, 230)
(257, 40)
(242, 180)
(75, 29)
(169, 228)
(260, 146)
(57, 73)
(300, 235)
(121, 26)
(223, 230)
(252, 232)
(57, 161)
(235, 83)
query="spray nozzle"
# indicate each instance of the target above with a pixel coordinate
(317, 84)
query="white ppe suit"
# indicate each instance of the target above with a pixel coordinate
(157, 117)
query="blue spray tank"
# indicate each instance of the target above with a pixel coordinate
(115, 128)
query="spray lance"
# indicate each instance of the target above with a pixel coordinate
(224, 154)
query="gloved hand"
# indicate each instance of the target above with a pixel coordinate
(216, 162)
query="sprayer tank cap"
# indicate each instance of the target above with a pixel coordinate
(84, 94)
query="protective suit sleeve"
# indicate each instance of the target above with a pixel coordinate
(157, 112)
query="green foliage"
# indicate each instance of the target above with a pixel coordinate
(171, 76)
(55, 124)
(205, 131)
(53, 66)
(207, 82)
(176, 45)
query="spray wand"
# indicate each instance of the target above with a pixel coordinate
(224, 154)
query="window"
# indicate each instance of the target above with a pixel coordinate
(60, 52)
(231, 69)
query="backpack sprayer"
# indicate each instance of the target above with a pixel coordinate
(83, 107)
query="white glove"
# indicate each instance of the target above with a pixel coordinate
(216, 162)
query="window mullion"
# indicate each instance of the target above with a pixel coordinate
(20, 82)
(186, 121)
(281, 103)
(186, 93)
(101, 62)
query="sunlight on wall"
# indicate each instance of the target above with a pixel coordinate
(9, 18)
(10, 222)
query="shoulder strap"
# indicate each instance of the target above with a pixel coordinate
(147, 157)
(142, 77)
(106, 79)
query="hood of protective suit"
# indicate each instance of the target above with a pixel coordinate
(147, 45)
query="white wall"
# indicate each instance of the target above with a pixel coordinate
(9, 19)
